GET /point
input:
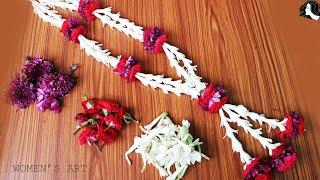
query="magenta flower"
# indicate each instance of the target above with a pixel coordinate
(21, 92)
(36, 67)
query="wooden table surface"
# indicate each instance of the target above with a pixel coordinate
(261, 51)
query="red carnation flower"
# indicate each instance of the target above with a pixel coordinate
(114, 121)
(108, 105)
(107, 135)
(102, 122)
(81, 117)
(258, 169)
(283, 158)
(71, 29)
(153, 40)
(88, 136)
(81, 30)
(86, 8)
(127, 68)
(294, 126)
(213, 98)
(90, 106)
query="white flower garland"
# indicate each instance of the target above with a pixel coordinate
(188, 71)
(192, 85)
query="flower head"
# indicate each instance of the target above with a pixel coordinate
(71, 29)
(104, 117)
(283, 158)
(21, 91)
(258, 169)
(153, 39)
(36, 67)
(294, 126)
(127, 68)
(106, 134)
(46, 101)
(213, 98)
(86, 8)
(88, 136)
(64, 83)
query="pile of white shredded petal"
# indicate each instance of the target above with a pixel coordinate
(165, 144)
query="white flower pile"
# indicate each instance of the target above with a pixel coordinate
(165, 144)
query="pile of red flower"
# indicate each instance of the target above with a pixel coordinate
(101, 122)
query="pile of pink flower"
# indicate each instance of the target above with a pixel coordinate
(39, 82)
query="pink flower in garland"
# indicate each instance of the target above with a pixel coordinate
(153, 39)
(127, 68)
(86, 8)
(294, 126)
(258, 169)
(71, 29)
(283, 158)
(21, 92)
(213, 98)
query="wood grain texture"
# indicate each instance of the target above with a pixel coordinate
(234, 43)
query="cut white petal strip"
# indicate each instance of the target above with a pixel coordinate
(188, 71)
(71, 5)
(93, 48)
(236, 144)
(245, 113)
(241, 120)
(123, 25)
(47, 14)
(167, 85)
(164, 145)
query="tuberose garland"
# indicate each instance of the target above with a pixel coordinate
(211, 98)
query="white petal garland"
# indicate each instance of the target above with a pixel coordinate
(188, 71)
(237, 115)
(94, 49)
(162, 134)
(121, 24)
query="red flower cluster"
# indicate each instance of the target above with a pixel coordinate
(127, 68)
(283, 158)
(258, 169)
(213, 98)
(101, 122)
(294, 126)
(86, 8)
(153, 39)
(72, 29)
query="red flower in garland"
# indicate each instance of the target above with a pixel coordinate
(283, 158)
(258, 169)
(86, 8)
(294, 126)
(153, 39)
(127, 68)
(101, 122)
(71, 29)
(213, 98)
